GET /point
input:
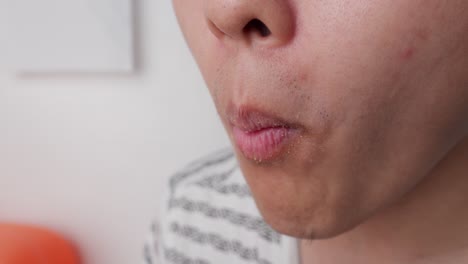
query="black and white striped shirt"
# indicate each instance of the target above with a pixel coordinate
(209, 217)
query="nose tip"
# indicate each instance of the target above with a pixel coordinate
(249, 20)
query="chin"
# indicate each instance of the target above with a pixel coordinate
(306, 223)
(301, 206)
(308, 203)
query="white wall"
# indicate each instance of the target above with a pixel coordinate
(85, 155)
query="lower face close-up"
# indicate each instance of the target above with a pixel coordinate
(336, 109)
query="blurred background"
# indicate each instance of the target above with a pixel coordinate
(86, 153)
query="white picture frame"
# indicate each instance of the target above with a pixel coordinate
(71, 36)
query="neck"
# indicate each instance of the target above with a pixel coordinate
(429, 225)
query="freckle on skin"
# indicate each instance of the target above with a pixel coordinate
(419, 37)
(422, 34)
(408, 53)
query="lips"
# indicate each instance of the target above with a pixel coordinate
(261, 136)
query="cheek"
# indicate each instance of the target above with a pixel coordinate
(192, 21)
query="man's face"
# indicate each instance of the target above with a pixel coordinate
(336, 108)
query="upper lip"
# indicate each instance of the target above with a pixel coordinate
(251, 120)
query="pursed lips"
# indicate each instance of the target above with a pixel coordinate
(260, 136)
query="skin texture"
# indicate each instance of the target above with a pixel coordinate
(379, 90)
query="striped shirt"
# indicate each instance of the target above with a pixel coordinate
(209, 217)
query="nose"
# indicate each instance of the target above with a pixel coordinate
(271, 21)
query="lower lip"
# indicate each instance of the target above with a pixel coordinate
(262, 145)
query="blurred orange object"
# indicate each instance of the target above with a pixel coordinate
(21, 244)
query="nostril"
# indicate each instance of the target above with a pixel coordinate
(256, 25)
